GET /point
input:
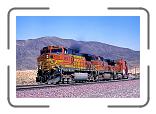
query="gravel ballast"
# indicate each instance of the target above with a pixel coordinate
(122, 89)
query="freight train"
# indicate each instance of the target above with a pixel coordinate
(57, 64)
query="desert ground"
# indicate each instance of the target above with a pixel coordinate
(122, 89)
(26, 77)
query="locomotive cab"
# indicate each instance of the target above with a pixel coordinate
(48, 63)
(47, 56)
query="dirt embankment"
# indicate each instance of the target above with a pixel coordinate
(27, 77)
(135, 70)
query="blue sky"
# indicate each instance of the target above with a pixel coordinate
(122, 31)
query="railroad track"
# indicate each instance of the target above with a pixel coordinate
(21, 87)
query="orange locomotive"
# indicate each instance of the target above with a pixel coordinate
(59, 64)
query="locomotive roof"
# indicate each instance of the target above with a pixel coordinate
(75, 52)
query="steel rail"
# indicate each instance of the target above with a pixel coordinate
(21, 87)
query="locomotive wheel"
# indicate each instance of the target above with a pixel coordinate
(42, 80)
(96, 79)
(115, 77)
(49, 82)
(62, 80)
(124, 77)
(67, 80)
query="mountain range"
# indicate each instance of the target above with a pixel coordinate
(27, 51)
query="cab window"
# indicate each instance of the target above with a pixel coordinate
(59, 50)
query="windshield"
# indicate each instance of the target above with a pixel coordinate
(56, 50)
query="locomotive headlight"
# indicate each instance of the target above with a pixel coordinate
(47, 56)
(40, 67)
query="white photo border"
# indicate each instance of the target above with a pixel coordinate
(11, 86)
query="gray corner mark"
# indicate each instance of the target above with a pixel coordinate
(137, 106)
(8, 47)
(19, 106)
(148, 67)
(19, 8)
(148, 19)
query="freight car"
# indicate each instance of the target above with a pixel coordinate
(57, 64)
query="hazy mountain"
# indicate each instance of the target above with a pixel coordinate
(27, 51)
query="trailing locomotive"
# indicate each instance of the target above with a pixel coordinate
(57, 64)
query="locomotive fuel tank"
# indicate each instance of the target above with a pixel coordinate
(80, 76)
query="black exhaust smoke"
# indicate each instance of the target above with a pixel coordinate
(76, 48)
